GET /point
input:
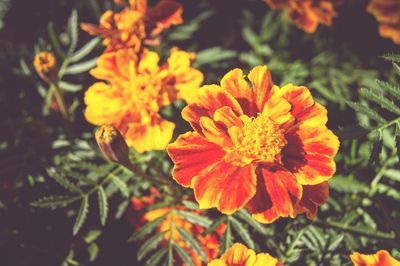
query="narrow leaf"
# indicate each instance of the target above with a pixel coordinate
(192, 242)
(226, 239)
(246, 217)
(195, 218)
(381, 100)
(389, 88)
(54, 201)
(63, 181)
(70, 87)
(156, 258)
(81, 67)
(392, 57)
(121, 185)
(103, 205)
(353, 132)
(186, 258)
(93, 250)
(147, 228)
(149, 245)
(242, 232)
(72, 29)
(82, 214)
(85, 50)
(367, 111)
(376, 150)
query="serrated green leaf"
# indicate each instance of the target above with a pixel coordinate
(242, 232)
(149, 245)
(54, 40)
(190, 204)
(345, 184)
(54, 201)
(251, 38)
(381, 100)
(81, 67)
(195, 218)
(72, 28)
(392, 57)
(63, 181)
(214, 225)
(192, 243)
(93, 251)
(212, 55)
(396, 68)
(85, 50)
(82, 214)
(121, 185)
(186, 258)
(246, 217)
(157, 257)
(91, 236)
(353, 132)
(226, 239)
(367, 111)
(389, 88)
(103, 205)
(147, 228)
(335, 242)
(70, 87)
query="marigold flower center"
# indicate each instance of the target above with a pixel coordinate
(260, 139)
(44, 62)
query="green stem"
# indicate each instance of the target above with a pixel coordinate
(388, 124)
(60, 101)
(103, 182)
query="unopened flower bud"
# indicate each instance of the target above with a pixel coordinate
(112, 144)
(45, 64)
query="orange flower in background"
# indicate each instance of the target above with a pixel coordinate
(209, 242)
(135, 23)
(387, 13)
(138, 87)
(380, 258)
(240, 255)
(46, 66)
(260, 147)
(307, 14)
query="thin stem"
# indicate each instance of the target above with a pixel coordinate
(103, 182)
(388, 124)
(60, 101)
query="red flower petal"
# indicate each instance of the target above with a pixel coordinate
(261, 79)
(313, 197)
(192, 155)
(277, 192)
(225, 186)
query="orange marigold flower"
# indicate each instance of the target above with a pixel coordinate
(307, 14)
(260, 147)
(137, 89)
(45, 64)
(380, 258)
(210, 242)
(240, 255)
(135, 23)
(387, 13)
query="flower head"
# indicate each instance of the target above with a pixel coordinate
(387, 13)
(240, 255)
(135, 23)
(307, 14)
(45, 64)
(209, 242)
(380, 258)
(137, 89)
(256, 146)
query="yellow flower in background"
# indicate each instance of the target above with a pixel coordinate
(380, 258)
(137, 89)
(307, 14)
(240, 255)
(45, 64)
(135, 23)
(387, 13)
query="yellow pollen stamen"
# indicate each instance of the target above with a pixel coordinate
(260, 139)
(106, 134)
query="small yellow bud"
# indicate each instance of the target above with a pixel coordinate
(45, 64)
(112, 144)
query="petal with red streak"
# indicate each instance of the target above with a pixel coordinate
(192, 154)
(277, 192)
(261, 79)
(225, 186)
(313, 197)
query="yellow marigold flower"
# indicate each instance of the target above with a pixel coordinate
(240, 255)
(380, 258)
(135, 23)
(45, 64)
(209, 242)
(387, 13)
(256, 146)
(137, 89)
(307, 14)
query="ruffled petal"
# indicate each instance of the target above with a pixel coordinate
(213, 133)
(261, 79)
(309, 153)
(192, 154)
(279, 110)
(380, 258)
(164, 14)
(209, 99)
(313, 197)
(239, 254)
(225, 186)
(265, 259)
(227, 118)
(154, 136)
(236, 85)
(277, 193)
(217, 262)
